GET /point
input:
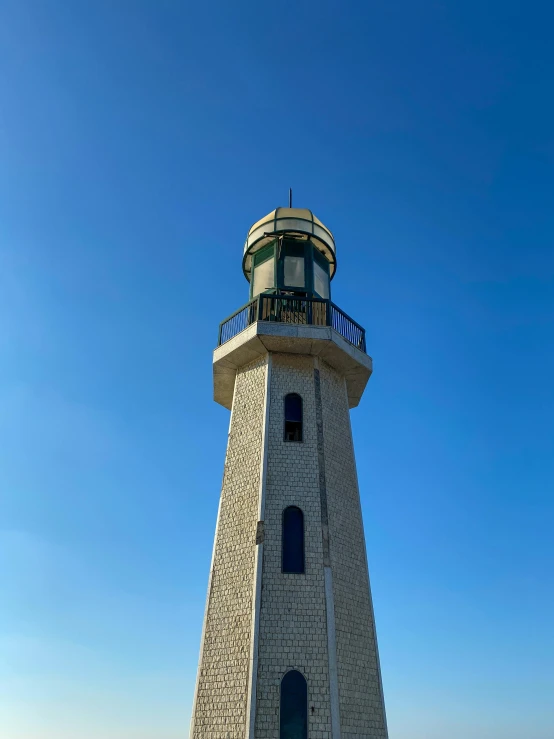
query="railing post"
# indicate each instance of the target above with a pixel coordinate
(329, 313)
(259, 307)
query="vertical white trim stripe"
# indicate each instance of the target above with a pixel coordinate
(258, 563)
(332, 649)
(328, 576)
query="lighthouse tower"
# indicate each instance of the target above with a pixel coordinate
(289, 649)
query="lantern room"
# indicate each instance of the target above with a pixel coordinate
(290, 252)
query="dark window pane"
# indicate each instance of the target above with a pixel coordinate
(293, 540)
(293, 407)
(293, 417)
(294, 706)
(293, 431)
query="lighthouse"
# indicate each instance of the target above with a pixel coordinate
(289, 647)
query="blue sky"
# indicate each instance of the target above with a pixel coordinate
(138, 142)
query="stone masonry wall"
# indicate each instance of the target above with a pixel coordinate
(293, 631)
(292, 620)
(361, 708)
(221, 702)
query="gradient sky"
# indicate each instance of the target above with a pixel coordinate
(138, 142)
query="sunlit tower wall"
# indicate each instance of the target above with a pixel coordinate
(289, 649)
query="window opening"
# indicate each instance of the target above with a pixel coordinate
(293, 417)
(293, 719)
(293, 540)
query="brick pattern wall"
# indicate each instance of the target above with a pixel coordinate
(221, 702)
(361, 708)
(293, 631)
(292, 621)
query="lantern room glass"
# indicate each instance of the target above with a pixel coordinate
(264, 276)
(291, 266)
(294, 272)
(321, 281)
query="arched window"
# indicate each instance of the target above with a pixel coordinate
(294, 706)
(293, 417)
(293, 540)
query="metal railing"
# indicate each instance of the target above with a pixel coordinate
(347, 328)
(290, 309)
(238, 321)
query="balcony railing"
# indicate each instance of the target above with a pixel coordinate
(289, 309)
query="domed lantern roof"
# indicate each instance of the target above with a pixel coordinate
(300, 223)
